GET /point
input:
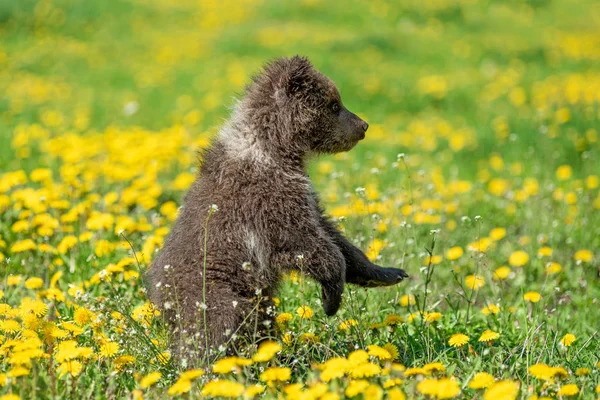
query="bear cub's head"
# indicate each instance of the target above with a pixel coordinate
(305, 107)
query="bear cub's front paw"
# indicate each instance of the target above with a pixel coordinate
(332, 298)
(387, 277)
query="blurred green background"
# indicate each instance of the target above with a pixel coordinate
(465, 61)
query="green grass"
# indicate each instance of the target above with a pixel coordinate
(486, 100)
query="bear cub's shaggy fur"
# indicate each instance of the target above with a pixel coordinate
(267, 218)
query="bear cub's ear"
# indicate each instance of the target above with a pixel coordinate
(296, 76)
(300, 75)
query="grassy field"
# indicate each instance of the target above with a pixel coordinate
(479, 177)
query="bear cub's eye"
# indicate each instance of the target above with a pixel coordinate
(335, 107)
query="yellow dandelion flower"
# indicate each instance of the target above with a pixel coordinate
(474, 282)
(560, 372)
(10, 396)
(283, 319)
(592, 181)
(374, 249)
(223, 388)
(230, 364)
(356, 387)
(448, 388)
(358, 357)
(408, 300)
(432, 316)
(568, 340)
(544, 251)
(392, 349)
(392, 382)
(413, 316)
(276, 374)
(398, 367)
(481, 380)
(488, 336)
(582, 371)
(393, 320)
(305, 312)
(180, 387)
(490, 309)
(253, 391)
(434, 260)
(366, 370)
(10, 326)
(192, 374)
(553, 268)
(66, 244)
(7, 311)
(434, 367)
(317, 390)
(308, 337)
(445, 388)
(396, 394)
(373, 392)
(345, 325)
(14, 280)
(568, 390)
(584, 256)
(83, 316)
(35, 307)
(287, 339)
(379, 353)
(458, 340)
(497, 234)
(109, 349)
(266, 351)
(415, 371)
(334, 368)
(34, 283)
(502, 390)
(518, 259)
(532, 297)
(122, 361)
(502, 273)
(22, 246)
(17, 372)
(454, 253)
(542, 371)
(564, 172)
(164, 357)
(482, 245)
(72, 367)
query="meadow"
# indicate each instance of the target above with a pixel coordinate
(479, 176)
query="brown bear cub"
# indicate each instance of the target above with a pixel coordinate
(252, 214)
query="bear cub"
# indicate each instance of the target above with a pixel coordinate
(253, 214)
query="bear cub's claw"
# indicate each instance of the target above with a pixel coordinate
(387, 277)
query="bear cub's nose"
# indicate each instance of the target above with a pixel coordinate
(365, 126)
